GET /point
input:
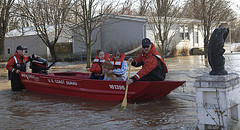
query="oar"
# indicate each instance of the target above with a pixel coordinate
(124, 102)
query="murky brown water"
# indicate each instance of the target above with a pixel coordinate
(30, 110)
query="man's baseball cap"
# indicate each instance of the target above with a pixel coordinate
(20, 48)
(146, 42)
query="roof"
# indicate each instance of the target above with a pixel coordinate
(31, 31)
(127, 17)
(27, 31)
(179, 20)
(121, 17)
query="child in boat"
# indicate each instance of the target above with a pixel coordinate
(119, 64)
(107, 66)
(96, 67)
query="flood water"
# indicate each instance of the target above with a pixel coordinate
(31, 110)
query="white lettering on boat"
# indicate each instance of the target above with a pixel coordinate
(62, 82)
(29, 76)
(50, 80)
(71, 83)
(118, 87)
(59, 81)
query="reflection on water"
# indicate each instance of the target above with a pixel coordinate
(30, 110)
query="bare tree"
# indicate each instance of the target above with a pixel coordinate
(126, 7)
(235, 32)
(17, 20)
(144, 5)
(211, 13)
(46, 15)
(133, 7)
(164, 16)
(90, 14)
(5, 8)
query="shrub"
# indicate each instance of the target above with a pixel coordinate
(184, 51)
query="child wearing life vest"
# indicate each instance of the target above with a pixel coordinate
(119, 64)
(96, 67)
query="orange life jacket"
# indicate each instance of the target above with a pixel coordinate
(97, 64)
(118, 64)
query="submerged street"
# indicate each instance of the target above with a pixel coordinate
(30, 110)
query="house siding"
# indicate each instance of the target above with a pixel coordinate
(121, 35)
(115, 34)
(33, 44)
(30, 40)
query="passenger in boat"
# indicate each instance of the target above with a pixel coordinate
(17, 63)
(107, 66)
(119, 64)
(153, 66)
(96, 67)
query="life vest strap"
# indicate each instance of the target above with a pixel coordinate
(14, 57)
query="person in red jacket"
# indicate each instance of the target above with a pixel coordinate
(96, 67)
(17, 63)
(153, 66)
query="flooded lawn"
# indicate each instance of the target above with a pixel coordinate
(30, 110)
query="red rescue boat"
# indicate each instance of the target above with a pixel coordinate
(77, 84)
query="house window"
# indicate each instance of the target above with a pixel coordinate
(195, 40)
(184, 35)
(195, 37)
(9, 51)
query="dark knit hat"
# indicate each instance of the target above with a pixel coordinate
(146, 42)
(20, 48)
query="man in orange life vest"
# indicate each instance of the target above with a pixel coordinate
(16, 64)
(119, 64)
(96, 67)
(153, 65)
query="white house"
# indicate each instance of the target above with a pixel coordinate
(28, 38)
(125, 32)
(186, 34)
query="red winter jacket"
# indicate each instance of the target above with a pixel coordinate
(12, 66)
(148, 61)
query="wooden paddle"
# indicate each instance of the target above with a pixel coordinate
(124, 102)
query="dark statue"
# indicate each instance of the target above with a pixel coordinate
(215, 51)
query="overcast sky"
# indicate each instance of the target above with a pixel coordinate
(236, 6)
